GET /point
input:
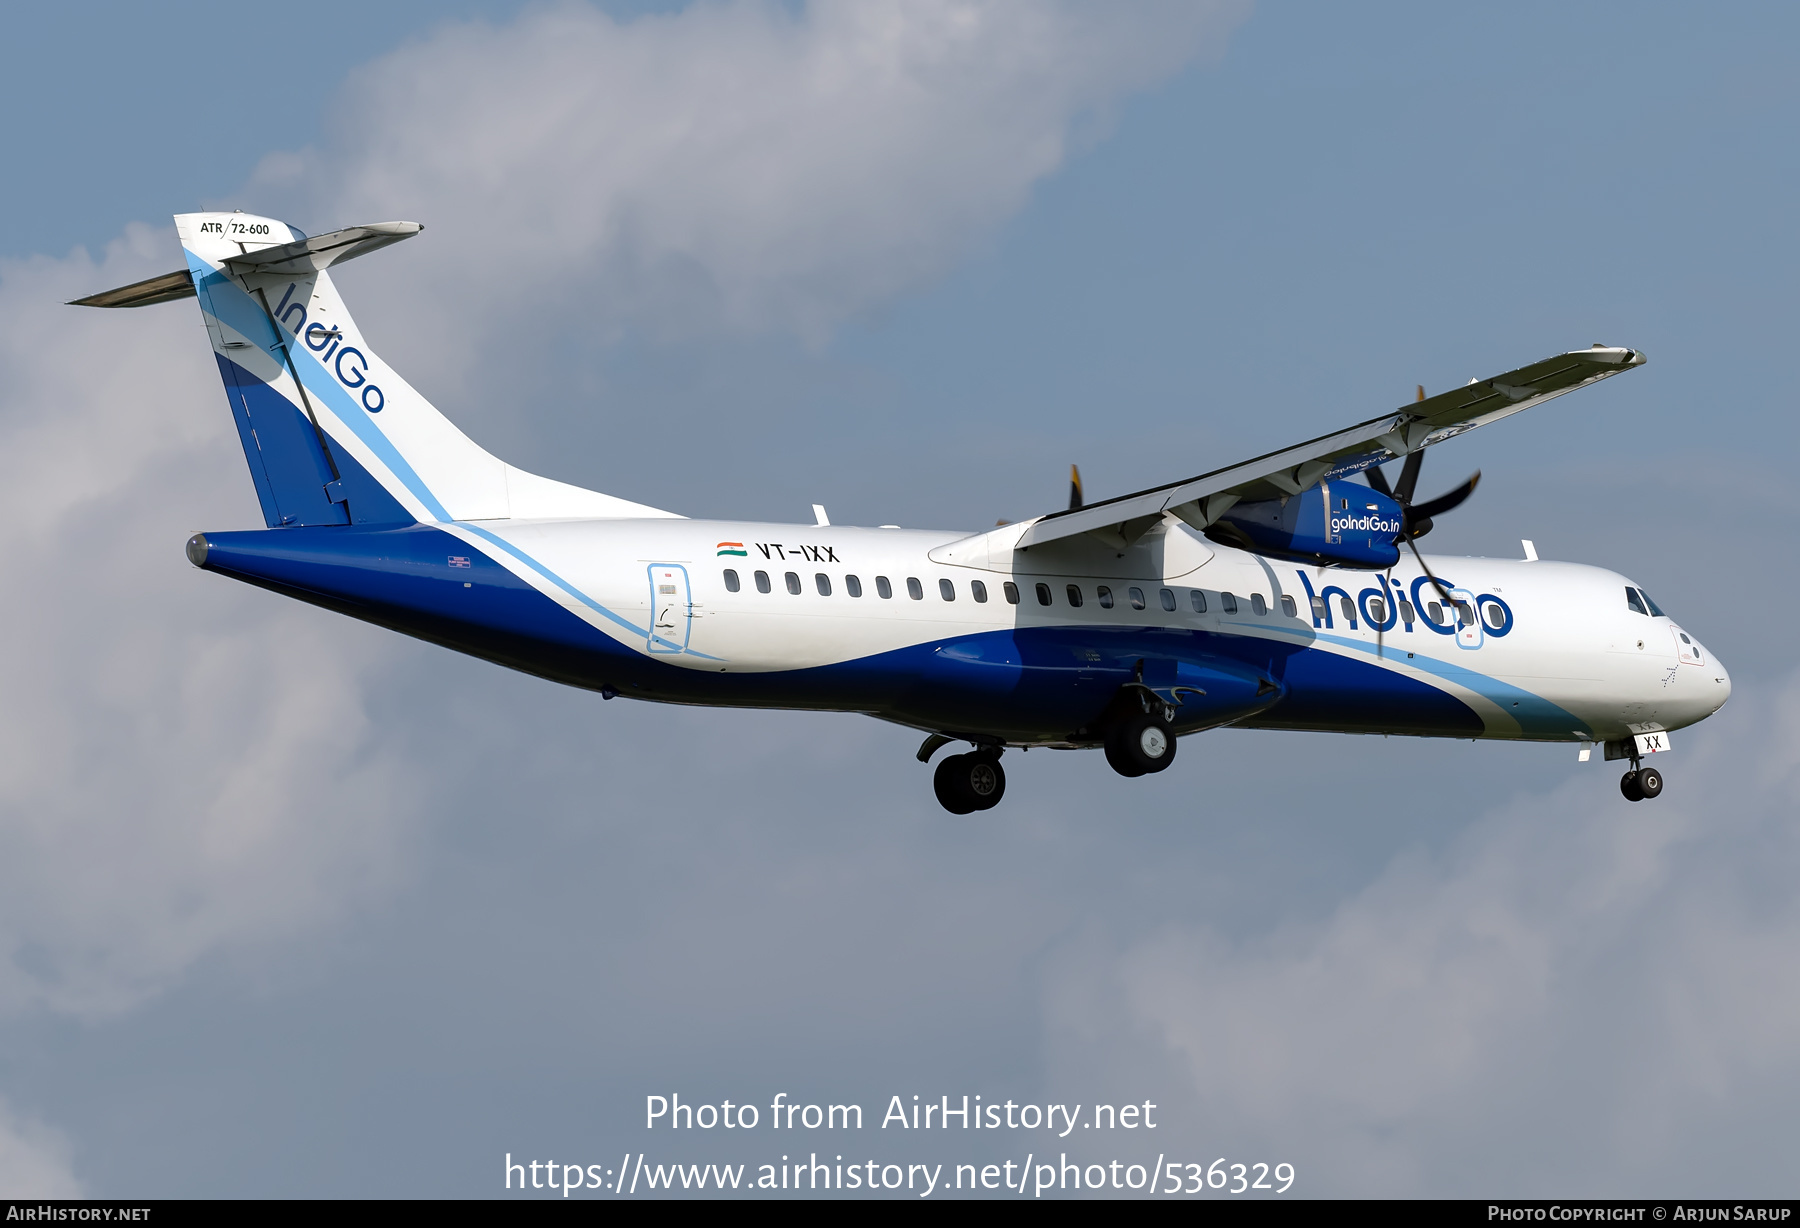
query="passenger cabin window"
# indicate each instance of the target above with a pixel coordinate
(1105, 596)
(1436, 610)
(1494, 617)
(793, 583)
(1168, 600)
(853, 586)
(1197, 599)
(1075, 595)
(1636, 603)
(1137, 597)
(1408, 615)
(1228, 602)
(946, 590)
(823, 582)
(978, 590)
(731, 581)
(1347, 608)
(883, 589)
(914, 589)
(1012, 592)
(1258, 606)
(1464, 614)
(1318, 608)
(1377, 610)
(1043, 594)
(1288, 607)
(762, 581)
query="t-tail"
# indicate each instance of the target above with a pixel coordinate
(332, 434)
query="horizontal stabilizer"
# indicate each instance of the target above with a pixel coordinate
(164, 289)
(322, 251)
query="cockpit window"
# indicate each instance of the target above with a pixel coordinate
(1651, 604)
(1635, 602)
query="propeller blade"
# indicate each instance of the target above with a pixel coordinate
(1380, 631)
(1074, 488)
(1439, 584)
(1409, 476)
(1376, 478)
(1444, 502)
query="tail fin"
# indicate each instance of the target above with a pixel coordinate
(332, 434)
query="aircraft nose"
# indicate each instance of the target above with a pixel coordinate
(1721, 683)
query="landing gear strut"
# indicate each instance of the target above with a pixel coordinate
(970, 782)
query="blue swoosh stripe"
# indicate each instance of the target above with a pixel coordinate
(240, 312)
(1536, 714)
(574, 592)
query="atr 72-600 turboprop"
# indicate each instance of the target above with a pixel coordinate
(1272, 594)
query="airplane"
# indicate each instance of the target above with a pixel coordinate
(1270, 594)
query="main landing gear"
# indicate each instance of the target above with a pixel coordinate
(1140, 743)
(966, 783)
(1136, 733)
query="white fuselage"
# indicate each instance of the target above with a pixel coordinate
(1539, 642)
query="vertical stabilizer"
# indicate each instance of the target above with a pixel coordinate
(333, 435)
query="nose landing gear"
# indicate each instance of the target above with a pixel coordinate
(1641, 784)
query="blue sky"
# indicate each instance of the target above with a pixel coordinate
(297, 906)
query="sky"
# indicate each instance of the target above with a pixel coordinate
(293, 906)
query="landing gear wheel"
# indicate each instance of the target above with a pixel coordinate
(1649, 782)
(1119, 762)
(1140, 744)
(1629, 785)
(966, 783)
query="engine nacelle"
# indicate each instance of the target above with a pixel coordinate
(1343, 524)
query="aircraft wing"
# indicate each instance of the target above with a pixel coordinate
(1201, 500)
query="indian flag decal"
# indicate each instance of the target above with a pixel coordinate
(736, 548)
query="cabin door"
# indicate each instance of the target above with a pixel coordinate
(671, 608)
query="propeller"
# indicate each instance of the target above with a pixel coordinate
(1075, 503)
(1416, 518)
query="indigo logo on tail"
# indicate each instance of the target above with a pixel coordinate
(326, 343)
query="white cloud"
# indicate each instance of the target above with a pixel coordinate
(1578, 997)
(34, 1160)
(188, 764)
(732, 165)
